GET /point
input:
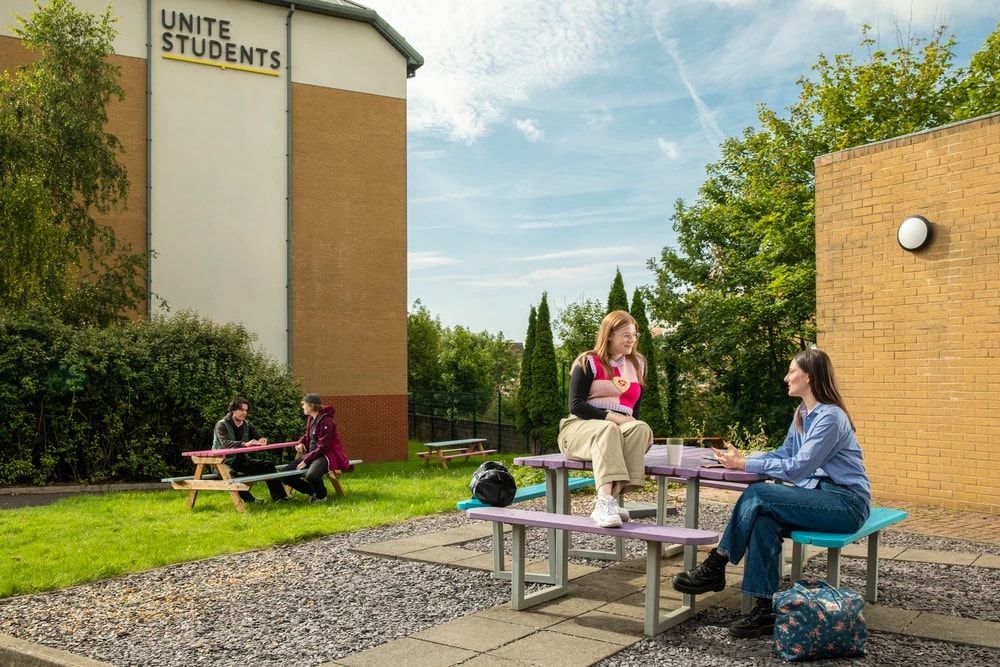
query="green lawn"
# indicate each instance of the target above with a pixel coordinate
(90, 537)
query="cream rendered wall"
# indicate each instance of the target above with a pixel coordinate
(348, 55)
(130, 24)
(218, 151)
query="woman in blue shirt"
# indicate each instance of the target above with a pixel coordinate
(826, 489)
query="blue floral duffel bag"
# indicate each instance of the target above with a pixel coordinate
(814, 620)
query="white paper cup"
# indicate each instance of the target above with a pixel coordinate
(675, 447)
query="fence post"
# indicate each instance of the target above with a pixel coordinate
(451, 417)
(500, 421)
(475, 415)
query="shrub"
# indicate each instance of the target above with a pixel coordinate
(89, 404)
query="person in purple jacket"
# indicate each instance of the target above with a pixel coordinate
(319, 447)
(826, 489)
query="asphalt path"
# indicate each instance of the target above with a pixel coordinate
(14, 498)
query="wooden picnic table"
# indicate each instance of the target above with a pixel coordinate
(212, 474)
(453, 449)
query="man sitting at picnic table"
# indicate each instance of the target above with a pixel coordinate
(234, 431)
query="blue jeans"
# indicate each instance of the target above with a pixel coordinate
(766, 513)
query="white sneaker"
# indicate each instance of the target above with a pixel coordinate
(623, 514)
(605, 512)
(313, 500)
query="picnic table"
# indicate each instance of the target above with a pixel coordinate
(453, 449)
(211, 474)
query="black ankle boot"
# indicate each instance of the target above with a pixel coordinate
(709, 576)
(759, 622)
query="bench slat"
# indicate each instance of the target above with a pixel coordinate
(266, 476)
(880, 517)
(584, 524)
(528, 493)
(449, 443)
(211, 475)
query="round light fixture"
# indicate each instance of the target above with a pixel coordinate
(914, 232)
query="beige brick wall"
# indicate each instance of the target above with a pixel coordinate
(349, 262)
(915, 337)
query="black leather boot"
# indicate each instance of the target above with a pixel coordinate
(709, 576)
(759, 622)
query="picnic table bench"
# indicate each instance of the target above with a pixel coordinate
(654, 536)
(445, 450)
(212, 474)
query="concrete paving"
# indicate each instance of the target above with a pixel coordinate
(607, 615)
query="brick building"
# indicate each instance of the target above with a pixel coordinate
(266, 146)
(915, 335)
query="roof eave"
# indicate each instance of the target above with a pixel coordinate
(356, 12)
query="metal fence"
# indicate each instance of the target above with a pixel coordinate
(449, 415)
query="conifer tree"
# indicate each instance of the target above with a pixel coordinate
(522, 419)
(652, 402)
(545, 406)
(618, 298)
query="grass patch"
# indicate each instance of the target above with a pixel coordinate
(87, 538)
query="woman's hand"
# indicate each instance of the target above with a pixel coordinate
(731, 457)
(618, 417)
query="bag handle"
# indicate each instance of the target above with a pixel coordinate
(820, 583)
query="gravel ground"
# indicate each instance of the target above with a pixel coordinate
(331, 602)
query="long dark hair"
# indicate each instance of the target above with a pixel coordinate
(817, 365)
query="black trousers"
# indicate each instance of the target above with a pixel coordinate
(250, 466)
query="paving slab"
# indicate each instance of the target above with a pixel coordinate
(475, 633)
(556, 649)
(942, 557)
(443, 555)
(490, 660)
(888, 619)
(19, 653)
(409, 652)
(605, 627)
(987, 560)
(955, 629)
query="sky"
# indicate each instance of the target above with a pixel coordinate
(549, 140)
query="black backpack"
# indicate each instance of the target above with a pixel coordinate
(493, 484)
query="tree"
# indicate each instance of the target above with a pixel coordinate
(472, 362)
(576, 326)
(57, 167)
(423, 349)
(652, 402)
(739, 290)
(545, 404)
(522, 417)
(979, 88)
(617, 297)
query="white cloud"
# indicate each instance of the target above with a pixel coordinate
(480, 58)
(669, 148)
(598, 120)
(579, 252)
(427, 260)
(529, 128)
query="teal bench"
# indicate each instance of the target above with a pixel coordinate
(212, 475)
(880, 517)
(528, 493)
(250, 479)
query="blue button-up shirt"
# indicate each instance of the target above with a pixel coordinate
(826, 448)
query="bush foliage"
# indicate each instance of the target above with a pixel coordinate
(93, 405)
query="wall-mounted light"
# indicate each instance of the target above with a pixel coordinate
(914, 232)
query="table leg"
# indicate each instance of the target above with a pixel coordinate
(234, 495)
(199, 470)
